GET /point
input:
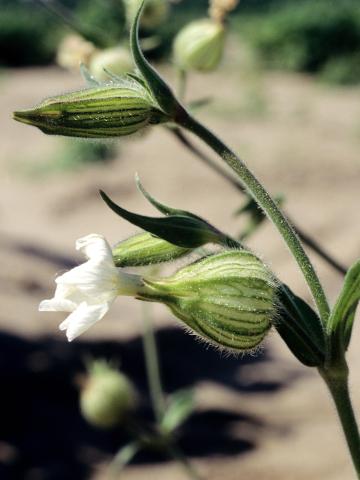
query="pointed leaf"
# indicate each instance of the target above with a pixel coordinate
(342, 317)
(181, 406)
(300, 328)
(159, 88)
(179, 230)
(160, 206)
(90, 80)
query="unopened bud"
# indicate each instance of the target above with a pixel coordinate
(200, 45)
(145, 249)
(110, 111)
(115, 60)
(107, 397)
(228, 298)
(155, 12)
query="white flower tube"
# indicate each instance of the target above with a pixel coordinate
(87, 291)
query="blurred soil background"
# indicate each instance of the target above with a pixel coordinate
(260, 416)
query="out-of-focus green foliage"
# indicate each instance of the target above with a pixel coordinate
(27, 35)
(317, 36)
(308, 36)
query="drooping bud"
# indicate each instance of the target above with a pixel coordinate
(154, 14)
(145, 249)
(200, 45)
(109, 111)
(107, 397)
(115, 60)
(228, 298)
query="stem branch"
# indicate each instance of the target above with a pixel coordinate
(305, 237)
(264, 200)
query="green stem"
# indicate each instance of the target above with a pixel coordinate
(181, 83)
(265, 201)
(183, 462)
(152, 365)
(304, 237)
(337, 383)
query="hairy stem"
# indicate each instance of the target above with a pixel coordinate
(306, 239)
(264, 200)
(337, 383)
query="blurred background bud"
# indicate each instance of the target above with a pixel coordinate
(116, 60)
(155, 12)
(146, 249)
(107, 396)
(199, 45)
(74, 50)
(110, 111)
(218, 9)
(228, 298)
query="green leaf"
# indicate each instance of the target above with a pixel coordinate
(160, 206)
(342, 317)
(300, 328)
(89, 79)
(181, 406)
(159, 88)
(183, 231)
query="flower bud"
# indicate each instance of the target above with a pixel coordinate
(74, 50)
(116, 60)
(145, 249)
(155, 12)
(199, 45)
(228, 298)
(107, 397)
(110, 111)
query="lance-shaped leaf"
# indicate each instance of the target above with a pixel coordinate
(343, 315)
(187, 231)
(300, 328)
(159, 88)
(181, 406)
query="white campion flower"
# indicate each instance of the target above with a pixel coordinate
(87, 291)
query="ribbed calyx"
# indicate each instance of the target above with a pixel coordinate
(200, 45)
(106, 111)
(145, 249)
(228, 298)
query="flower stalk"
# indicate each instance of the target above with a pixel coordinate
(270, 207)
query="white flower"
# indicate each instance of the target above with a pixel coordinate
(87, 291)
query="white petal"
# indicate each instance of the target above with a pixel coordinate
(83, 318)
(57, 305)
(91, 282)
(95, 247)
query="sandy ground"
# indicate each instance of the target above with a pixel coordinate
(301, 139)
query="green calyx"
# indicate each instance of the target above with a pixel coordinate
(227, 298)
(200, 45)
(107, 397)
(100, 112)
(146, 249)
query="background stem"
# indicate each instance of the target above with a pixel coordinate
(307, 240)
(152, 365)
(265, 201)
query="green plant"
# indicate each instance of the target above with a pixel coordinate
(304, 36)
(229, 297)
